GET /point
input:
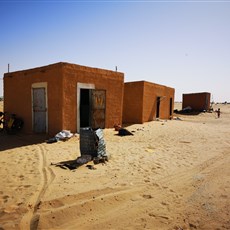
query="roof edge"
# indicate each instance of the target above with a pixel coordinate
(58, 64)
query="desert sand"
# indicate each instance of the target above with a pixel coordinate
(171, 174)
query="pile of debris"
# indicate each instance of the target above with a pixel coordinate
(185, 110)
(122, 131)
(92, 143)
(63, 136)
(92, 148)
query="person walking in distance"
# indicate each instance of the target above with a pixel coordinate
(218, 113)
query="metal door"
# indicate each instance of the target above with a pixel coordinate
(98, 99)
(39, 110)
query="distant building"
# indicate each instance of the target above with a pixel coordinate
(197, 101)
(145, 101)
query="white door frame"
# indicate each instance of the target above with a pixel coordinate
(79, 87)
(40, 85)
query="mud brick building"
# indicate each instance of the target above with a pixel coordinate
(197, 101)
(64, 96)
(145, 101)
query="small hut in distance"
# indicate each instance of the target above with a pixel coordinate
(197, 101)
(146, 101)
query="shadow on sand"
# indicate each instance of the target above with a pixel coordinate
(18, 140)
(74, 164)
(189, 113)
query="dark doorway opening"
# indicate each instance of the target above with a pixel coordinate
(85, 108)
(158, 107)
(170, 107)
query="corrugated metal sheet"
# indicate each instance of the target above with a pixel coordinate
(88, 142)
(101, 149)
(92, 142)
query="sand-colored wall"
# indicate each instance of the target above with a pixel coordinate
(151, 92)
(133, 102)
(62, 79)
(140, 101)
(197, 101)
(18, 94)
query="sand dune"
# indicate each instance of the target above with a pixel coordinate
(168, 175)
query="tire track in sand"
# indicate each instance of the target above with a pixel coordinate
(31, 218)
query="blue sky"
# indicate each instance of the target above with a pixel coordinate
(181, 44)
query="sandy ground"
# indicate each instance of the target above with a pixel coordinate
(170, 175)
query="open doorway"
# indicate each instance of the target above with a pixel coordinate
(91, 105)
(92, 108)
(158, 107)
(170, 107)
(85, 105)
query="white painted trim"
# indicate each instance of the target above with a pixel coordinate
(40, 85)
(79, 87)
